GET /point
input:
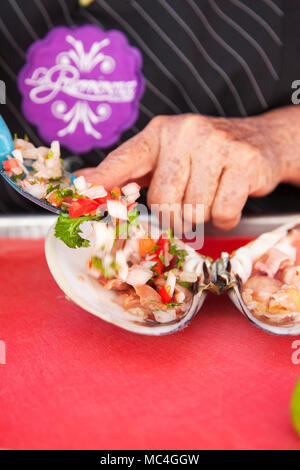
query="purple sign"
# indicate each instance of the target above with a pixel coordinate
(82, 86)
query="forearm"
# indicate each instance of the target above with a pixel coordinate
(282, 127)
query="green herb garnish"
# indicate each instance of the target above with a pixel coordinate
(52, 188)
(171, 305)
(162, 259)
(18, 177)
(68, 230)
(133, 216)
(155, 248)
(184, 283)
(180, 254)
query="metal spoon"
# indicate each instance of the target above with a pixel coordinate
(6, 147)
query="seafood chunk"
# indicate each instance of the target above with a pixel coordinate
(271, 294)
(261, 288)
(291, 276)
(285, 301)
(272, 261)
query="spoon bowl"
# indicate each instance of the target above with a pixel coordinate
(6, 148)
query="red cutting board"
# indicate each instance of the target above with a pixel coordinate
(72, 381)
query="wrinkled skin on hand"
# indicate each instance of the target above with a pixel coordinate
(217, 162)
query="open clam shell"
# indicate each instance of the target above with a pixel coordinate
(68, 267)
(233, 271)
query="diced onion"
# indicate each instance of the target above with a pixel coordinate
(170, 283)
(138, 276)
(117, 209)
(131, 191)
(38, 190)
(80, 184)
(104, 237)
(121, 265)
(179, 297)
(94, 192)
(18, 155)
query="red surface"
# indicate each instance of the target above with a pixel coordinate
(74, 381)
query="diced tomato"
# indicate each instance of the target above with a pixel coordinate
(54, 199)
(164, 294)
(102, 201)
(10, 164)
(145, 245)
(68, 199)
(81, 207)
(161, 242)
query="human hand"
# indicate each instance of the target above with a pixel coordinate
(199, 160)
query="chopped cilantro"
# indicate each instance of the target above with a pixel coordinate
(155, 248)
(162, 259)
(171, 305)
(18, 177)
(180, 254)
(65, 192)
(52, 188)
(97, 263)
(185, 284)
(68, 230)
(133, 216)
(170, 234)
(59, 178)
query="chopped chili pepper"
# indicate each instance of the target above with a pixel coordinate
(164, 294)
(159, 267)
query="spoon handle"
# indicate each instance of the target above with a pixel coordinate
(6, 142)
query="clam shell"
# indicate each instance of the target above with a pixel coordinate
(239, 267)
(68, 267)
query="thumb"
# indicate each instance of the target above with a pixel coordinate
(132, 160)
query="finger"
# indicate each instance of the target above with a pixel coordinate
(202, 186)
(230, 199)
(144, 181)
(86, 172)
(133, 159)
(167, 188)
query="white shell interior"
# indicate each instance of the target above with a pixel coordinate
(241, 264)
(68, 267)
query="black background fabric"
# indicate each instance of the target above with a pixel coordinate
(178, 72)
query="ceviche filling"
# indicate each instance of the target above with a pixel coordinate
(37, 170)
(154, 278)
(273, 289)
